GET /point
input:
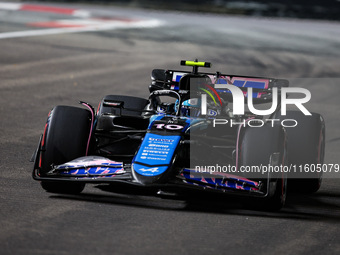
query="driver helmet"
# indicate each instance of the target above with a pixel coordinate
(191, 107)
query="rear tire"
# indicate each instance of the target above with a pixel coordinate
(65, 138)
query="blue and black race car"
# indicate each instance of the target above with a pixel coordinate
(193, 134)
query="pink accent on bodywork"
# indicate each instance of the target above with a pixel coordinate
(92, 119)
(44, 137)
(236, 177)
(213, 79)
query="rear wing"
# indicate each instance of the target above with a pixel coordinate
(262, 87)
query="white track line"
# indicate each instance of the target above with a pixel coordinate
(85, 23)
(10, 6)
(44, 8)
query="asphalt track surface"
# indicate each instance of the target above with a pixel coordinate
(41, 71)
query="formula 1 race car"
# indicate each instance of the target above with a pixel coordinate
(193, 134)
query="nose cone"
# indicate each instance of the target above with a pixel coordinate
(148, 174)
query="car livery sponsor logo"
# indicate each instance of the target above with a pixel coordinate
(152, 170)
(160, 140)
(93, 171)
(148, 171)
(155, 154)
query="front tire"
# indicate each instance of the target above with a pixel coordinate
(306, 146)
(65, 138)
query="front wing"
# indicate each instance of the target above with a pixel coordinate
(95, 169)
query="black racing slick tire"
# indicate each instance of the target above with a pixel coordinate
(65, 138)
(306, 149)
(263, 146)
(136, 103)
